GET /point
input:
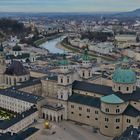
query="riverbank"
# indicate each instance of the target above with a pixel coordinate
(64, 46)
(45, 39)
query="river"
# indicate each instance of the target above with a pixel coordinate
(51, 45)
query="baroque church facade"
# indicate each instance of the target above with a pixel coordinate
(111, 109)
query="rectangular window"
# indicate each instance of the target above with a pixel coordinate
(61, 80)
(83, 74)
(96, 112)
(117, 110)
(96, 119)
(117, 120)
(68, 80)
(88, 110)
(107, 110)
(72, 106)
(128, 121)
(80, 108)
(106, 119)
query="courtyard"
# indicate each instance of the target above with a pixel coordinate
(5, 115)
(68, 130)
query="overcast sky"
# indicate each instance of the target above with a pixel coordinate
(68, 5)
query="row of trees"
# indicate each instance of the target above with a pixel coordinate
(96, 36)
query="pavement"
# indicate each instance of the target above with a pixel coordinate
(68, 130)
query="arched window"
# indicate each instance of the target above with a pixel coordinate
(119, 88)
(15, 81)
(83, 74)
(61, 80)
(7, 80)
(10, 83)
(127, 88)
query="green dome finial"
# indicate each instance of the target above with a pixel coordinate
(125, 63)
(85, 55)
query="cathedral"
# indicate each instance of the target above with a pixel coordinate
(109, 109)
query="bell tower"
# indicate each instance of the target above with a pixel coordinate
(2, 65)
(64, 80)
(86, 67)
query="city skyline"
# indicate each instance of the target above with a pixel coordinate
(68, 5)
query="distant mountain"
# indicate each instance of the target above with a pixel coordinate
(135, 13)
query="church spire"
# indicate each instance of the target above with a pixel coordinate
(86, 55)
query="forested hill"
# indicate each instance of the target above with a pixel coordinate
(10, 27)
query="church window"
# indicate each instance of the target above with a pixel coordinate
(68, 80)
(96, 112)
(106, 119)
(107, 110)
(88, 110)
(128, 121)
(80, 108)
(83, 74)
(10, 81)
(106, 126)
(117, 120)
(117, 110)
(6, 80)
(89, 73)
(96, 119)
(15, 81)
(20, 79)
(119, 88)
(72, 106)
(61, 80)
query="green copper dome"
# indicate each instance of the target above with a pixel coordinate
(124, 74)
(85, 55)
(64, 62)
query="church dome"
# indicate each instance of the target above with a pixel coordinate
(16, 68)
(124, 74)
